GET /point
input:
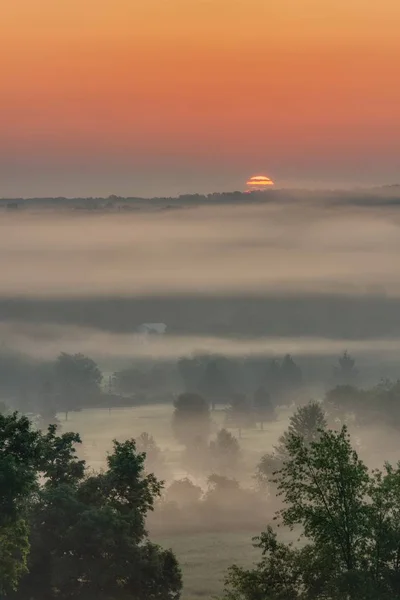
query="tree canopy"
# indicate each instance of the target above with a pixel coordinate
(349, 519)
(68, 534)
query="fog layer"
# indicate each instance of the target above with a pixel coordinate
(298, 248)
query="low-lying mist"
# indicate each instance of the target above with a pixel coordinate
(290, 248)
(46, 341)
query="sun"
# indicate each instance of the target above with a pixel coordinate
(259, 182)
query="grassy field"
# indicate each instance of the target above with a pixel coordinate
(206, 556)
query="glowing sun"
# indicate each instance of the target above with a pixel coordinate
(259, 182)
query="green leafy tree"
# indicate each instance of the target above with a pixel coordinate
(88, 536)
(276, 577)
(349, 519)
(18, 481)
(26, 458)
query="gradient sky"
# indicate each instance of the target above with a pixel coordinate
(145, 97)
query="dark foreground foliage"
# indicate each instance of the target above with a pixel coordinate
(66, 534)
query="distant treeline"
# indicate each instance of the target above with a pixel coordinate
(389, 194)
(74, 382)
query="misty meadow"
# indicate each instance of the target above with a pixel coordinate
(201, 402)
(199, 300)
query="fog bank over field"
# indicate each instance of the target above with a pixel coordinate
(305, 248)
(45, 341)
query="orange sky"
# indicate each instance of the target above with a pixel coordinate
(168, 96)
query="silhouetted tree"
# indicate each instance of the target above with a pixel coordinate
(224, 453)
(192, 370)
(341, 401)
(346, 372)
(222, 489)
(214, 384)
(77, 379)
(183, 492)
(240, 412)
(263, 408)
(273, 377)
(291, 374)
(191, 420)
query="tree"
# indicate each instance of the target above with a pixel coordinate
(18, 480)
(273, 376)
(77, 379)
(129, 381)
(191, 420)
(350, 519)
(342, 401)
(183, 492)
(26, 457)
(224, 453)
(224, 491)
(240, 412)
(380, 403)
(346, 372)
(88, 536)
(214, 384)
(325, 484)
(263, 408)
(291, 374)
(140, 379)
(155, 462)
(276, 577)
(306, 423)
(191, 371)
